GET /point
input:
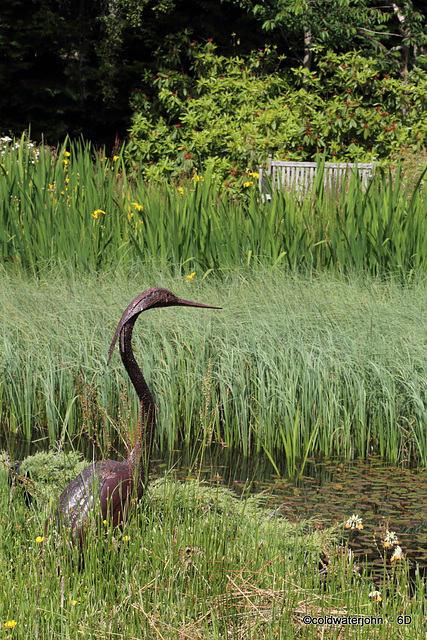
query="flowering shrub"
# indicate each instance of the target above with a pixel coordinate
(228, 114)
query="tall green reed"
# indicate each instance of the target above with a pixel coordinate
(291, 366)
(76, 206)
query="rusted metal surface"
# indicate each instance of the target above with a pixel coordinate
(109, 485)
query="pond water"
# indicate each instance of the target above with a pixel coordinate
(330, 491)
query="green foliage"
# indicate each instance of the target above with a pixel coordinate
(192, 562)
(229, 114)
(64, 69)
(292, 366)
(80, 209)
(392, 32)
(51, 471)
(68, 68)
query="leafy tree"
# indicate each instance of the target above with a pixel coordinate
(63, 68)
(69, 66)
(392, 30)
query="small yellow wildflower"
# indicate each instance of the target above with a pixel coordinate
(248, 184)
(138, 207)
(181, 190)
(198, 178)
(10, 624)
(73, 602)
(105, 522)
(67, 180)
(115, 158)
(126, 538)
(254, 174)
(65, 162)
(67, 154)
(190, 277)
(40, 539)
(96, 213)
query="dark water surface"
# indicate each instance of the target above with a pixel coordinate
(386, 497)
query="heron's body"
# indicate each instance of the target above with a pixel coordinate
(109, 484)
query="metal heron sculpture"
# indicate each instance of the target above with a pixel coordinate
(110, 484)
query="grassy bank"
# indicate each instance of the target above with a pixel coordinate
(80, 208)
(193, 562)
(292, 366)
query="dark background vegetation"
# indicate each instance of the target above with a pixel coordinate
(72, 66)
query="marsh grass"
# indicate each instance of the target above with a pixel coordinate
(291, 366)
(74, 206)
(193, 562)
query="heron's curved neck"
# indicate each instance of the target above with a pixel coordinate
(148, 409)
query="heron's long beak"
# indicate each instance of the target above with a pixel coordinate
(188, 303)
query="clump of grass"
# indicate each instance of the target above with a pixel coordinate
(49, 470)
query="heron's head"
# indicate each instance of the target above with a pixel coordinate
(150, 299)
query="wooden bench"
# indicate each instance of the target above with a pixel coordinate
(299, 176)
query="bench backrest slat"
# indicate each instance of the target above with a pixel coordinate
(300, 175)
